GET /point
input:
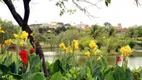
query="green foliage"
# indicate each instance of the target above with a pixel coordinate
(37, 76)
(107, 2)
(34, 61)
(96, 31)
(84, 41)
(91, 70)
(9, 29)
(57, 76)
(68, 36)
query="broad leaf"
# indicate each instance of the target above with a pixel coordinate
(119, 73)
(109, 76)
(129, 74)
(4, 69)
(97, 72)
(37, 76)
(8, 60)
(16, 76)
(34, 61)
(56, 76)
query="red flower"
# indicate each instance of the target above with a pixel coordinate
(118, 59)
(24, 56)
(32, 50)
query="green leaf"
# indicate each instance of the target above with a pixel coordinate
(129, 74)
(26, 75)
(4, 69)
(107, 71)
(8, 60)
(54, 67)
(104, 62)
(12, 67)
(97, 72)
(56, 76)
(37, 76)
(68, 75)
(83, 72)
(106, 3)
(47, 64)
(34, 61)
(109, 1)
(62, 12)
(16, 76)
(119, 73)
(109, 76)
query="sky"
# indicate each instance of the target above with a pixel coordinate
(44, 11)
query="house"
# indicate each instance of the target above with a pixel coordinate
(60, 24)
(35, 26)
(122, 30)
(45, 25)
(67, 25)
(118, 27)
(81, 26)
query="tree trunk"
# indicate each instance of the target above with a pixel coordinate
(36, 45)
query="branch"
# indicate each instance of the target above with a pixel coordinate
(94, 4)
(84, 10)
(137, 2)
(27, 11)
(12, 9)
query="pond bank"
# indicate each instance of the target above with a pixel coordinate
(133, 62)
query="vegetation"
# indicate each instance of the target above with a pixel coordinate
(104, 37)
(7, 26)
(28, 66)
(23, 64)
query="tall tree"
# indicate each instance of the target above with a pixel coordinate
(23, 22)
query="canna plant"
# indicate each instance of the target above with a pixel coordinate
(24, 64)
(21, 64)
(95, 66)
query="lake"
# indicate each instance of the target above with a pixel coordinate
(133, 62)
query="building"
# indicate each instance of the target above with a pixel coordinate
(81, 26)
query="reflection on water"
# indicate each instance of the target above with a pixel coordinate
(133, 62)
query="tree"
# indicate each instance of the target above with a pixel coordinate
(130, 32)
(96, 31)
(107, 24)
(23, 22)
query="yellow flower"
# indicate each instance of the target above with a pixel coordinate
(62, 46)
(21, 43)
(8, 42)
(92, 45)
(99, 58)
(125, 51)
(1, 31)
(24, 35)
(75, 44)
(15, 35)
(96, 51)
(68, 49)
(87, 53)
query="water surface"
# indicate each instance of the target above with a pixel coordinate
(133, 62)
